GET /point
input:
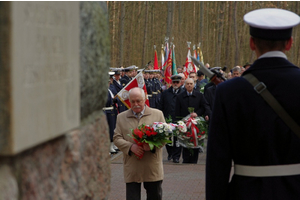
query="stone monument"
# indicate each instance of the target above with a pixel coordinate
(54, 140)
(41, 91)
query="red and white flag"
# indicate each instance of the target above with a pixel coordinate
(189, 65)
(137, 81)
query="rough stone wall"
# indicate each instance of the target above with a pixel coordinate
(94, 56)
(75, 166)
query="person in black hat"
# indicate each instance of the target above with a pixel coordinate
(201, 81)
(245, 129)
(167, 106)
(247, 65)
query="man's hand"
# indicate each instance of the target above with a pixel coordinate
(138, 150)
(193, 115)
(146, 147)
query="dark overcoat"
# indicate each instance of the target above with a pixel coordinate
(196, 100)
(245, 129)
(167, 103)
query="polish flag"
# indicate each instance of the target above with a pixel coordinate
(137, 81)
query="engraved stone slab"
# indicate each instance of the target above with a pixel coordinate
(44, 85)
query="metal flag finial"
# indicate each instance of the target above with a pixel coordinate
(154, 47)
(189, 44)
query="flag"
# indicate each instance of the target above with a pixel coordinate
(201, 56)
(155, 60)
(137, 81)
(195, 53)
(162, 58)
(189, 65)
(166, 51)
(168, 69)
(174, 68)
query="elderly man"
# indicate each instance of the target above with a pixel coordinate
(167, 106)
(245, 129)
(149, 169)
(196, 100)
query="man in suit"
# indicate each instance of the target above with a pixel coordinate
(149, 169)
(244, 128)
(167, 105)
(196, 100)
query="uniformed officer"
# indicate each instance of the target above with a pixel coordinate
(118, 86)
(111, 112)
(158, 85)
(148, 86)
(128, 75)
(246, 130)
(167, 106)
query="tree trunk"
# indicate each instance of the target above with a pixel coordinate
(170, 19)
(145, 35)
(122, 17)
(236, 59)
(220, 35)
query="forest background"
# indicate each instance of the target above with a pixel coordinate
(136, 26)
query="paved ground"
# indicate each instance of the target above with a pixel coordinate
(181, 182)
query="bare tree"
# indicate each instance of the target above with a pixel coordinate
(145, 35)
(122, 17)
(170, 18)
(236, 59)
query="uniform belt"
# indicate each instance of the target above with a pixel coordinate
(267, 171)
(154, 93)
(108, 108)
(149, 95)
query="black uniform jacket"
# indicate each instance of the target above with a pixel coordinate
(245, 129)
(167, 103)
(124, 80)
(196, 100)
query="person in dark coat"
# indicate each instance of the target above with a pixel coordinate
(246, 131)
(167, 105)
(195, 99)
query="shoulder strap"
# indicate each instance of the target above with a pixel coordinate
(261, 89)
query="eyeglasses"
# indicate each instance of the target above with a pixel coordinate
(176, 82)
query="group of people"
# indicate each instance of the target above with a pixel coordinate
(244, 129)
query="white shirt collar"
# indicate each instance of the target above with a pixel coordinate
(273, 54)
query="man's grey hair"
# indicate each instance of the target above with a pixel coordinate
(189, 79)
(236, 69)
(141, 91)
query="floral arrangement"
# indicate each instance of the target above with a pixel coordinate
(156, 135)
(191, 131)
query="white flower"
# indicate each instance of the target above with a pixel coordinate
(160, 131)
(160, 125)
(181, 123)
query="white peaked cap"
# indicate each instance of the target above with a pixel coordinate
(271, 23)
